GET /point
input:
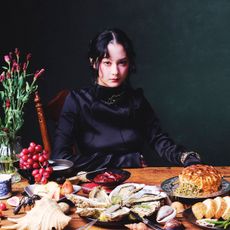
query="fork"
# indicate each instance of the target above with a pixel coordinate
(87, 226)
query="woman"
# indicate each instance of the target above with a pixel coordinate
(110, 121)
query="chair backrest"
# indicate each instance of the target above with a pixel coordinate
(51, 111)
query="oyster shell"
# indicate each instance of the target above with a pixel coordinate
(147, 194)
(114, 213)
(90, 212)
(83, 202)
(100, 195)
(165, 214)
(146, 209)
(123, 192)
(145, 197)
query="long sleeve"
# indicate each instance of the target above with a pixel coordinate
(64, 137)
(154, 135)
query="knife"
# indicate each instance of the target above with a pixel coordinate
(84, 173)
(149, 223)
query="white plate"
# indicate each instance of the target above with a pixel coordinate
(30, 190)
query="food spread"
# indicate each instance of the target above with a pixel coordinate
(117, 207)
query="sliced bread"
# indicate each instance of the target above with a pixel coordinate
(199, 210)
(210, 208)
(226, 214)
(221, 205)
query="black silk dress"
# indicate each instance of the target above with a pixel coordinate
(110, 127)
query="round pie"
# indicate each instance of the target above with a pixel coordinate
(200, 179)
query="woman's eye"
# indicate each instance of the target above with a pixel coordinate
(123, 63)
(106, 62)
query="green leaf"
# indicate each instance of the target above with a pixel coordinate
(27, 87)
(2, 95)
(35, 88)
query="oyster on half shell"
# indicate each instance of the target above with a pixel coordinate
(83, 202)
(146, 208)
(90, 212)
(114, 213)
(145, 197)
(123, 192)
(100, 195)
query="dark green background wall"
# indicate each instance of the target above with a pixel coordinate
(183, 59)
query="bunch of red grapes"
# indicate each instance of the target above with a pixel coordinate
(35, 158)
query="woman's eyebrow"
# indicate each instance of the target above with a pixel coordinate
(123, 59)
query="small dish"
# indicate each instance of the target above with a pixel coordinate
(122, 175)
(61, 168)
(188, 215)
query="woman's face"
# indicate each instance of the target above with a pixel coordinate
(113, 70)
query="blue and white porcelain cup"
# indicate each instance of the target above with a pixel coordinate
(5, 186)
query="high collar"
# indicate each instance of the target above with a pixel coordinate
(110, 94)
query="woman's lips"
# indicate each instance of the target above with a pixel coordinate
(114, 80)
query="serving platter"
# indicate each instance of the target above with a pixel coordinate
(112, 224)
(30, 190)
(188, 215)
(171, 184)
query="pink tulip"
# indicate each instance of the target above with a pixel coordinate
(18, 68)
(8, 75)
(14, 66)
(24, 66)
(28, 56)
(7, 103)
(38, 73)
(2, 77)
(7, 58)
(17, 52)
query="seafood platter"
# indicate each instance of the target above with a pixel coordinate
(123, 204)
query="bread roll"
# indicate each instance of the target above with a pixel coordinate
(226, 214)
(221, 205)
(178, 206)
(204, 177)
(199, 210)
(210, 208)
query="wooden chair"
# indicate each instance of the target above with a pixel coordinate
(51, 111)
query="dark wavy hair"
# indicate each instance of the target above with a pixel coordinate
(98, 48)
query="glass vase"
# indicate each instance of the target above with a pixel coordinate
(10, 146)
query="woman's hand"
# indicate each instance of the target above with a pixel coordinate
(139, 226)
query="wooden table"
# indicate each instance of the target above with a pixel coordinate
(149, 175)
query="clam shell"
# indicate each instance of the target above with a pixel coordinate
(165, 213)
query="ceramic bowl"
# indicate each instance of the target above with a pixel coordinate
(61, 168)
(123, 173)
